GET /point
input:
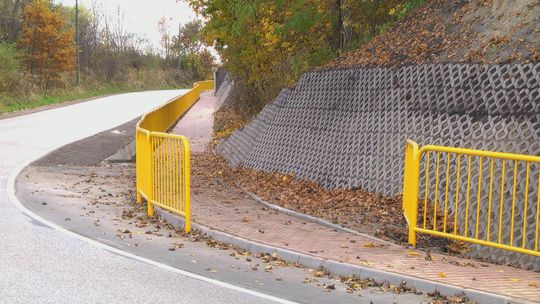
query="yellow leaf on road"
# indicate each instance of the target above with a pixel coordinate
(317, 273)
(413, 253)
(365, 263)
(442, 275)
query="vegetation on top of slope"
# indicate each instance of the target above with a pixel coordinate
(267, 45)
(489, 31)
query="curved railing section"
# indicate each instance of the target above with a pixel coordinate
(481, 197)
(162, 159)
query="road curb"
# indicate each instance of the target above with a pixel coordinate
(123, 155)
(339, 268)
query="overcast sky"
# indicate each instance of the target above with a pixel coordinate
(142, 16)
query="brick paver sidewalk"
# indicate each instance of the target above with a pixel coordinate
(238, 215)
(231, 211)
(197, 124)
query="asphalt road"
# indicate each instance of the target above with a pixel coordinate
(50, 265)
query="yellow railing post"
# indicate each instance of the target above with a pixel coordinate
(150, 175)
(138, 160)
(410, 188)
(187, 186)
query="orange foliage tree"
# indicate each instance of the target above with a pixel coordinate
(47, 41)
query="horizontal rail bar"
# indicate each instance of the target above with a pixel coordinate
(171, 209)
(481, 153)
(169, 135)
(477, 241)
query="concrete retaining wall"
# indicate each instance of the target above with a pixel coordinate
(347, 128)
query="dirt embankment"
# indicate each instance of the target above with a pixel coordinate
(485, 31)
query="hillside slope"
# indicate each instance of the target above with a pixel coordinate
(485, 31)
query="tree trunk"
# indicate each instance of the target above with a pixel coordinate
(46, 85)
(337, 39)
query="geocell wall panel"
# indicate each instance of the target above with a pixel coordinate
(347, 128)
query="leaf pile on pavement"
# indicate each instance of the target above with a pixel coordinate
(359, 210)
(457, 299)
(354, 283)
(227, 120)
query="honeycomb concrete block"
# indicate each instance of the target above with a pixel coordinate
(347, 128)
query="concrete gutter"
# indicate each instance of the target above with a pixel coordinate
(335, 267)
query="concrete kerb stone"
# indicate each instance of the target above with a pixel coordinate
(484, 297)
(124, 155)
(339, 268)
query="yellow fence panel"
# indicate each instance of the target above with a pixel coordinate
(481, 197)
(162, 160)
(170, 175)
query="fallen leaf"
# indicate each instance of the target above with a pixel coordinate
(317, 273)
(329, 287)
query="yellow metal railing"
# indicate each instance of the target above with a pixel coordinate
(162, 160)
(481, 197)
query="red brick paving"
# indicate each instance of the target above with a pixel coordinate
(197, 123)
(243, 217)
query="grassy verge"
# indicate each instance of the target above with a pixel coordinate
(12, 103)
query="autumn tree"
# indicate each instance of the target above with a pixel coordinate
(163, 28)
(9, 65)
(10, 25)
(191, 54)
(89, 34)
(268, 44)
(48, 42)
(189, 37)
